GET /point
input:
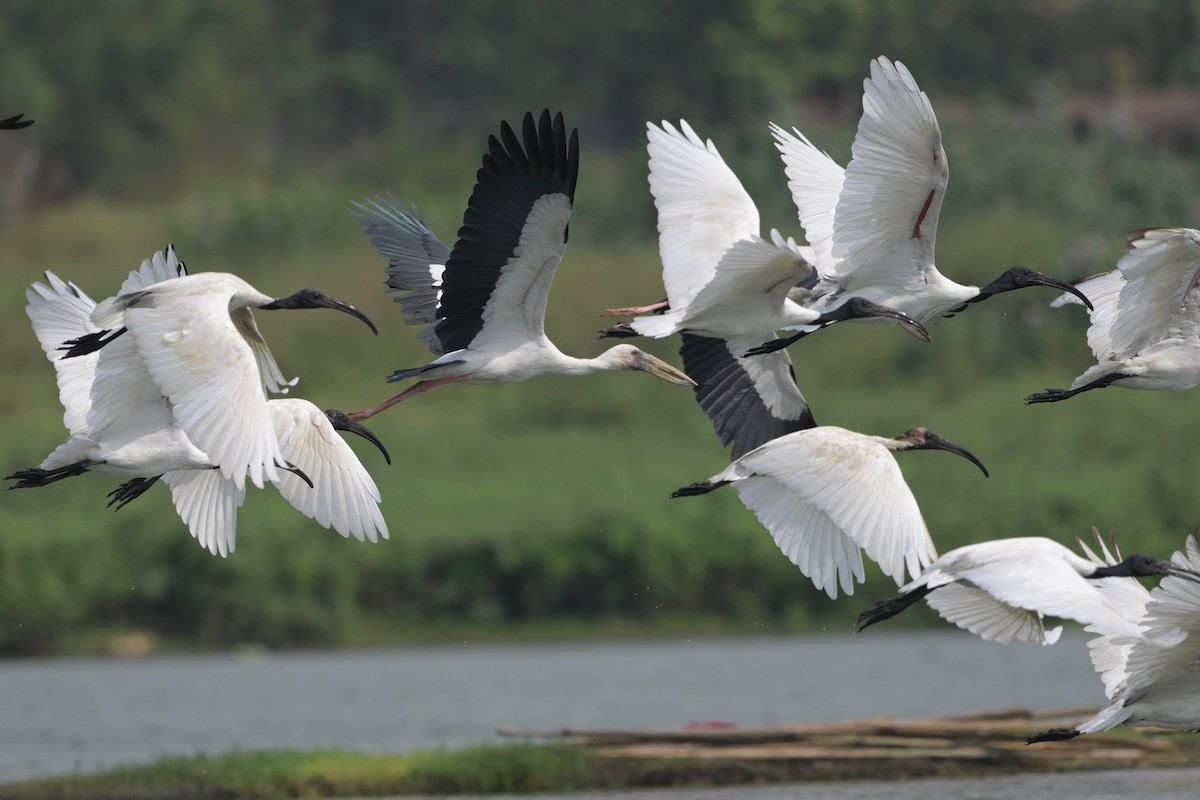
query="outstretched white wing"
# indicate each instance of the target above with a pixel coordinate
(207, 502)
(815, 181)
(702, 208)
(825, 492)
(343, 495)
(887, 213)
(60, 311)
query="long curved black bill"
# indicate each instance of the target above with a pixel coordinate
(860, 308)
(1022, 277)
(313, 298)
(1049, 280)
(935, 442)
(342, 422)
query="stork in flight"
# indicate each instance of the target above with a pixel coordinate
(722, 278)
(121, 423)
(1000, 590)
(872, 225)
(1151, 676)
(485, 305)
(1145, 317)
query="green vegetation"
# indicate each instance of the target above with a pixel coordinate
(542, 507)
(517, 768)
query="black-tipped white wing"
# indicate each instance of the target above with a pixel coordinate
(887, 212)
(512, 238)
(416, 261)
(161, 266)
(343, 495)
(749, 400)
(208, 503)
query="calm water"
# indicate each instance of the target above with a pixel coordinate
(65, 715)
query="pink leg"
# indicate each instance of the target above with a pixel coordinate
(635, 310)
(416, 388)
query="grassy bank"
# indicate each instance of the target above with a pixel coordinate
(885, 750)
(280, 774)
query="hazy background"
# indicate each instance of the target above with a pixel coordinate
(242, 133)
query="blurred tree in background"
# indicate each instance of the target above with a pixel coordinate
(125, 87)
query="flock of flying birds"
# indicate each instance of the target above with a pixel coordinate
(170, 377)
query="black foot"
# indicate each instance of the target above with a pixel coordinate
(36, 476)
(619, 331)
(88, 343)
(886, 609)
(1053, 735)
(703, 487)
(130, 490)
(773, 345)
(15, 122)
(1049, 396)
(1054, 395)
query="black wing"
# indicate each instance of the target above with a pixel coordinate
(415, 256)
(749, 400)
(513, 177)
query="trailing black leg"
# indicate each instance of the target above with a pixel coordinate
(36, 476)
(703, 487)
(1054, 395)
(1053, 735)
(130, 490)
(886, 609)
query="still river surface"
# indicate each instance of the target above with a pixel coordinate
(69, 715)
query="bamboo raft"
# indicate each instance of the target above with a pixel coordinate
(985, 743)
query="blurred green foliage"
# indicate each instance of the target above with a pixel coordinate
(243, 132)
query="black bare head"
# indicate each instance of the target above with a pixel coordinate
(925, 439)
(1022, 277)
(862, 308)
(313, 298)
(341, 421)
(1142, 566)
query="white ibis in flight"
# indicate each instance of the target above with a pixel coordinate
(121, 423)
(1000, 590)
(1145, 317)
(722, 278)
(826, 494)
(872, 225)
(1151, 677)
(197, 337)
(488, 304)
